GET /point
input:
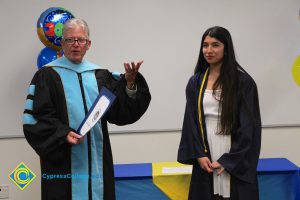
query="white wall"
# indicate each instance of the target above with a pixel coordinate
(136, 148)
(166, 35)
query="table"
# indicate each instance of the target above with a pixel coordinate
(278, 179)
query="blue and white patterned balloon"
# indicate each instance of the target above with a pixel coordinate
(50, 24)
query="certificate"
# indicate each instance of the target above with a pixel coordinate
(102, 103)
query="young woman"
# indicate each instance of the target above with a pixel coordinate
(221, 134)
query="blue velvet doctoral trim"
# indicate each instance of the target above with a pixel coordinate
(91, 91)
(116, 75)
(29, 104)
(79, 153)
(31, 90)
(79, 68)
(29, 119)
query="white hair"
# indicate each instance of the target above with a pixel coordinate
(74, 22)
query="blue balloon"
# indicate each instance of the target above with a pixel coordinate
(46, 56)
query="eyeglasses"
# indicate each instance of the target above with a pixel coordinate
(71, 41)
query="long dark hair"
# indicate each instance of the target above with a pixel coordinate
(228, 78)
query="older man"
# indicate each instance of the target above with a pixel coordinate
(60, 95)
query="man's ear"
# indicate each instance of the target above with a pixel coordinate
(89, 44)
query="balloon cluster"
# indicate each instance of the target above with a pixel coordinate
(49, 30)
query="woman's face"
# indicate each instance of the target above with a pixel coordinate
(213, 50)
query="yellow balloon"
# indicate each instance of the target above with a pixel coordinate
(296, 70)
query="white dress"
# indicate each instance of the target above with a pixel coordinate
(218, 144)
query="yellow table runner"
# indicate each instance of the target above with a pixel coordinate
(172, 178)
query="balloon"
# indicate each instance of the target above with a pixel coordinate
(296, 70)
(50, 24)
(47, 55)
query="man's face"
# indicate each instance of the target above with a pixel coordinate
(75, 44)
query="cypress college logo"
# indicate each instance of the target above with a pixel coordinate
(22, 176)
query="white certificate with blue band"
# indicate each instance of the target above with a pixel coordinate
(102, 103)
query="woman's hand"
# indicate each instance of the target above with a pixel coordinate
(205, 164)
(218, 166)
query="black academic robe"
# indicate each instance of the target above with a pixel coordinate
(47, 125)
(242, 159)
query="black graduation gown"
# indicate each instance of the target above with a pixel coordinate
(242, 159)
(47, 133)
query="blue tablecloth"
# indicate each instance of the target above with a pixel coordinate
(278, 179)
